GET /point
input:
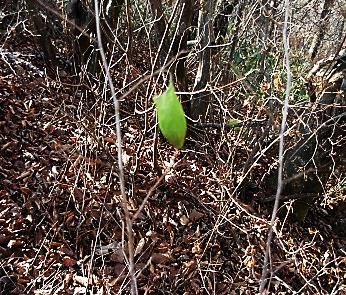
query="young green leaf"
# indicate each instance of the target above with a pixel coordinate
(234, 122)
(171, 117)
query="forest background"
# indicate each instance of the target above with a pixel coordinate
(93, 198)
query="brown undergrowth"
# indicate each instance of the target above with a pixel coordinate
(61, 224)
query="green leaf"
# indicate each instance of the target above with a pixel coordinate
(171, 117)
(233, 122)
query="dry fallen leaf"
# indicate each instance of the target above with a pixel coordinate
(159, 258)
(139, 247)
(184, 220)
(196, 249)
(69, 262)
(195, 215)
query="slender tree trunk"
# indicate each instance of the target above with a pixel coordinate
(160, 27)
(235, 38)
(201, 100)
(268, 25)
(180, 47)
(43, 36)
(82, 12)
(225, 9)
(324, 20)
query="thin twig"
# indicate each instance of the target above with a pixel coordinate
(157, 72)
(130, 240)
(59, 15)
(265, 269)
(150, 192)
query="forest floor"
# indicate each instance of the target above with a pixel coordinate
(61, 223)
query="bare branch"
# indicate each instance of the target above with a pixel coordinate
(265, 270)
(120, 162)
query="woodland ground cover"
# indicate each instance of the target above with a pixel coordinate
(203, 228)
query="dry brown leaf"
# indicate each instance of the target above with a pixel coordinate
(67, 261)
(109, 140)
(140, 246)
(196, 249)
(159, 258)
(184, 220)
(195, 215)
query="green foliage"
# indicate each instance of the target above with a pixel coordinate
(299, 70)
(248, 57)
(171, 117)
(234, 123)
(298, 92)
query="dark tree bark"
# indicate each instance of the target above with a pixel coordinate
(83, 19)
(160, 27)
(43, 31)
(235, 37)
(268, 24)
(222, 20)
(180, 47)
(83, 15)
(201, 100)
(324, 20)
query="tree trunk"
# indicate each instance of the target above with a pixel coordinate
(201, 100)
(160, 27)
(180, 47)
(43, 36)
(324, 20)
(225, 9)
(82, 12)
(267, 21)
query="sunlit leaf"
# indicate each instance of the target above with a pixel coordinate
(233, 122)
(171, 117)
